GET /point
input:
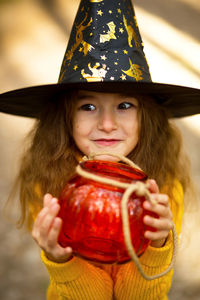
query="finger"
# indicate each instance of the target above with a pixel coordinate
(48, 220)
(40, 217)
(42, 214)
(159, 224)
(159, 209)
(153, 187)
(157, 235)
(62, 253)
(54, 232)
(56, 252)
(161, 199)
(47, 199)
(59, 254)
(53, 236)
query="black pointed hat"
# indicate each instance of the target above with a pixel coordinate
(104, 53)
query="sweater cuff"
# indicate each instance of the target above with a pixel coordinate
(155, 257)
(62, 272)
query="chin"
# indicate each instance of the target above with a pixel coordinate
(107, 158)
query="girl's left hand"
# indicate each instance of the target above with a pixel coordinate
(163, 224)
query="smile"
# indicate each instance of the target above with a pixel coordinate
(107, 142)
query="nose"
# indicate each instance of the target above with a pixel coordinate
(107, 121)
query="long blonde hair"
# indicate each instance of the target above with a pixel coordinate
(51, 156)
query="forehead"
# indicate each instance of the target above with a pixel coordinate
(101, 95)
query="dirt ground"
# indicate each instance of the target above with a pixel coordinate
(33, 36)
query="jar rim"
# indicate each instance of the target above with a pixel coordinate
(117, 170)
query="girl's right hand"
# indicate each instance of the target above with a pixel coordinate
(46, 230)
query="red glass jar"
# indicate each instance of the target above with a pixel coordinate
(91, 214)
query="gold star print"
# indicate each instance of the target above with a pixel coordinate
(91, 33)
(125, 51)
(99, 12)
(121, 30)
(103, 57)
(123, 77)
(119, 10)
(116, 63)
(110, 11)
(75, 67)
(115, 51)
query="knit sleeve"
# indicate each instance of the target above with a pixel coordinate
(129, 284)
(77, 280)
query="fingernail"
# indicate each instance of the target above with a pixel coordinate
(55, 208)
(146, 218)
(69, 249)
(53, 200)
(147, 205)
(47, 196)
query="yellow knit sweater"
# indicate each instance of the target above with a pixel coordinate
(78, 279)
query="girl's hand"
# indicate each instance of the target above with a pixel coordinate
(46, 230)
(163, 224)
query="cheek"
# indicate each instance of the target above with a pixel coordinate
(75, 130)
(132, 128)
(133, 133)
(77, 125)
(81, 129)
(81, 132)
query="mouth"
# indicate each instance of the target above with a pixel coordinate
(107, 142)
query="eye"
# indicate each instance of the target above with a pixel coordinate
(125, 105)
(87, 107)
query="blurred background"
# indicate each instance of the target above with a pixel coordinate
(33, 39)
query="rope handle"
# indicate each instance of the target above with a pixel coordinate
(141, 189)
(121, 157)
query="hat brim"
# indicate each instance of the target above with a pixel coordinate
(29, 102)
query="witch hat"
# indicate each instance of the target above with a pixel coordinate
(104, 53)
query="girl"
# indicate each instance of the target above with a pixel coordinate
(136, 127)
(105, 100)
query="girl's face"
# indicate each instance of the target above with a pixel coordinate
(105, 122)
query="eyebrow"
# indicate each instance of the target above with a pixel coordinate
(82, 97)
(87, 93)
(123, 95)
